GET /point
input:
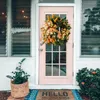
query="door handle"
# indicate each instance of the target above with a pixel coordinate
(41, 43)
(40, 49)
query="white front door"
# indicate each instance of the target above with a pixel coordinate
(56, 62)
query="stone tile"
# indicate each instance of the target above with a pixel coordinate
(4, 95)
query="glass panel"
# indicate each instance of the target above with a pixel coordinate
(62, 15)
(51, 15)
(21, 13)
(63, 57)
(55, 70)
(62, 70)
(48, 57)
(55, 48)
(48, 47)
(55, 57)
(63, 47)
(21, 43)
(47, 16)
(90, 42)
(56, 1)
(3, 19)
(48, 70)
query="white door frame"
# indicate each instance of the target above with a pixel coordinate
(37, 36)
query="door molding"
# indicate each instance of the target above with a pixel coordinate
(37, 35)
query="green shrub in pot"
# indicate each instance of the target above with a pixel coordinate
(19, 81)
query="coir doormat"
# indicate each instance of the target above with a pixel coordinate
(55, 95)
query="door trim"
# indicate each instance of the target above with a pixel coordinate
(37, 36)
(56, 5)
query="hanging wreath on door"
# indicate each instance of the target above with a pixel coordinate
(56, 30)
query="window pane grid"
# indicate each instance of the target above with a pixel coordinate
(57, 51)
(21, 45)
(56, 64)
(21, 33)
(58, 57)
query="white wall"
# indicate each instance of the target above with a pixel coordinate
(7, 64)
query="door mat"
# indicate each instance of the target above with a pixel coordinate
(76, 95)
(32, 94)
(55, 95)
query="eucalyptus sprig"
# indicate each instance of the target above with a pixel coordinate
(19, 75)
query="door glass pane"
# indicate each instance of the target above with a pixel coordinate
(55, 57)
(55, 48)
(56, 1)
(48, 57)
(48, 47)
(63, 47)
(63, 57)
(55, 70)
(63, 15)
(48, 70)
(46, 16)
(50, 15)
(62, 70)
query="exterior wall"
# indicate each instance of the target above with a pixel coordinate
(8, 64)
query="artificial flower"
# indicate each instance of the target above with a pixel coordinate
(56, 30)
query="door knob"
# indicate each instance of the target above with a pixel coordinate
(41, 43)
(40, 49)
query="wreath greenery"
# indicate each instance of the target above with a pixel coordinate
(56, 30)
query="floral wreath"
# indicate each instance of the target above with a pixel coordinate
(56, 30)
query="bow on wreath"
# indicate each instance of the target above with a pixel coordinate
(56, 30)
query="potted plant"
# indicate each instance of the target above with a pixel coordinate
(89, 83)
(19, 82)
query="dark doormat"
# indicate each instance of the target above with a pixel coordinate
(55, 95)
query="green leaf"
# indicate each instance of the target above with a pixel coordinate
(8, 76)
